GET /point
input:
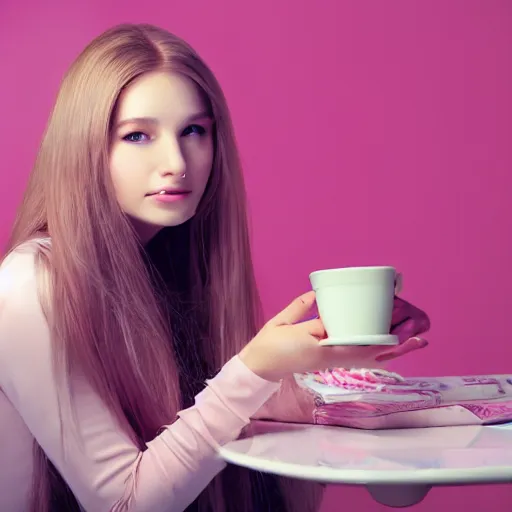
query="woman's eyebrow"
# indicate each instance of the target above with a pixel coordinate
(153, 120)
(142, 120)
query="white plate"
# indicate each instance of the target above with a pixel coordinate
(375, 339)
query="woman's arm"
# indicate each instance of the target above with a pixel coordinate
(96, 458)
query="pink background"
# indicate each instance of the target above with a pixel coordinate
(372, 132)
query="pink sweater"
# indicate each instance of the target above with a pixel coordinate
(97, 459)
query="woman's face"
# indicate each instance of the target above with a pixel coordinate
(162, 151)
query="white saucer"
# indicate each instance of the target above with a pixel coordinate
(372, 339)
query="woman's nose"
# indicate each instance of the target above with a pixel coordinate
(173, 160)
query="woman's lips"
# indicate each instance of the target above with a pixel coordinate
(170, 196)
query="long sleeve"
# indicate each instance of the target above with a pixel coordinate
(95, 457)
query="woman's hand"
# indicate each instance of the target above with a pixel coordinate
(284, 346)
(408, 323)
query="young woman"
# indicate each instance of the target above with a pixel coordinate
(130, 340)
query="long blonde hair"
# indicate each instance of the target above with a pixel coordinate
(103, 299)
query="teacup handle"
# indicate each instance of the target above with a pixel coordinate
(399, 280)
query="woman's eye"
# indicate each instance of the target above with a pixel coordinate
(136, 137)
(194, 129)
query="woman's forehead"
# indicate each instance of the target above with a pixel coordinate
(162, 96)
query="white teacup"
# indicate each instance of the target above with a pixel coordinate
(356, 304)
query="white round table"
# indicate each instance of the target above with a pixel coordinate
(398, 467)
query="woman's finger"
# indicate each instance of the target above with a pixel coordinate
(348, 356)
(314, 327)
(409, 345)
(401, 311)
(411, 327)
(405, 330)
(295, 311)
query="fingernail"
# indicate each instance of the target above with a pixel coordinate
(422, 342)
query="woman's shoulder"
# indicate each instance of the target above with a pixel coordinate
(22, 316)
(19, 267)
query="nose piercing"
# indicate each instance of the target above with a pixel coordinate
(183, 175)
